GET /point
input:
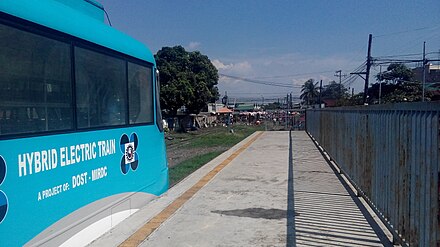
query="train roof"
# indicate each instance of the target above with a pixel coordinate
(83, 19)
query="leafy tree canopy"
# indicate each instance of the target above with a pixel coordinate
(334, 91)
(396, 73)
(309, 92)
(398, 86)
(401, 92)
(273, 106)
(187, 79)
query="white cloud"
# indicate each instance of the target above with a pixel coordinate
(193, 45)
(288, 68)
(219, 65)
(240, 68)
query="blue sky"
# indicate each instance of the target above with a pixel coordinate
(281, 41)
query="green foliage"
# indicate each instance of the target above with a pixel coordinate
(396, 73)
(273, 106)
(309, 92)
(334, 91)
(187, 167)
(356, 99)
(398, 86)
(400, 92)
(187, 79)
(223, 138)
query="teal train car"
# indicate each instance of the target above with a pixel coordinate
(81, 137)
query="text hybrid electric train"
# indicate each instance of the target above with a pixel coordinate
(81, 137)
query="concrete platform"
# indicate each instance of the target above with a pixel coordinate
(328, 213)
(259, 195)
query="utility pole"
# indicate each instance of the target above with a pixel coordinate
(380, 82)
(367, 72)
(225, 99)
(367, 75)
(340, 75)
(320, 91)
(287, 110)
(424, 76)
(340, 82)
(291, 107)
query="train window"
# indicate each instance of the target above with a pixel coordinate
(140, 94)
(35, 83)
(100, 89)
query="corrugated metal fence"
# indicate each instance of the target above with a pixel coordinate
(391, 154)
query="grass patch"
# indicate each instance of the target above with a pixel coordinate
(187, 167)
(192, 150)
(224, 138)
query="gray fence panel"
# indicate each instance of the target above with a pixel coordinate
(391, 155)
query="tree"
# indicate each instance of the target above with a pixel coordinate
(334, 91)
(187, 79)
(396, 73)
(398, 86)
(205, 81)
(273, 106)
(401, 92)
(309, 92)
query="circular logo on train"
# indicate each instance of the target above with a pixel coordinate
(130, 158)
(3, 197)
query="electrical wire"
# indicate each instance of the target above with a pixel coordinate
(407, 31)
(396, 56)
(262, 93)
(268, 83)
(349, 80)
(293, 75)
(416, 41)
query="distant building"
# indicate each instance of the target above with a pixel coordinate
(330, 102)
(432, 76)
(432, 79)
(245, 107)
(214, 107)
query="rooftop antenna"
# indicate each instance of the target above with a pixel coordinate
(100, 7)
(108, 18)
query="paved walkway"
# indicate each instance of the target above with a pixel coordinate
(259, 195)
(327, 212)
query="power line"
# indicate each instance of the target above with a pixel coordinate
(407, 31)
(403, 61)
(386, 61)
(268, 83)
(262, 93)
(293, 75)
(349, 79)
(416, 41)
(404, 55)
(434, 52)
